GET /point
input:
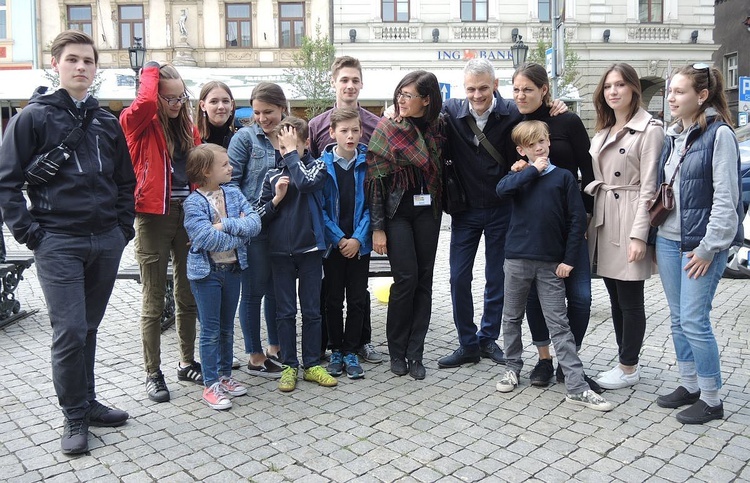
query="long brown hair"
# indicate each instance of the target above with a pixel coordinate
(699, 79)
(201, 117)
(427, 86)
(605, 115)
(178, 131)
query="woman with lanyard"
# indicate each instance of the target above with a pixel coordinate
(403, 186)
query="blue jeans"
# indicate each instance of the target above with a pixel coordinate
(216, 297)
(578, 293)
(690, 307)
(308, 268)
(257, 286)
(466, 231)
(77, 274)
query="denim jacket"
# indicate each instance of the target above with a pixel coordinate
(251, 155)
(204, 238)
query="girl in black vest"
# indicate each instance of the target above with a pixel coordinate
(701, 155)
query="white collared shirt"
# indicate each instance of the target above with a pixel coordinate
(481, 119)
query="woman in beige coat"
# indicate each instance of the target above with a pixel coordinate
(625, 153)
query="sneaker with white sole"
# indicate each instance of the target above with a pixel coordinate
(236, 364)
(232, 387)
(368, 353)
(591, 400)
(508, 382)
(216, 398)
(615, 378)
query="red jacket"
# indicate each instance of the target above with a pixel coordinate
(148, 147)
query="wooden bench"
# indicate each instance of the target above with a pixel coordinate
(133, 272)
(11, 273)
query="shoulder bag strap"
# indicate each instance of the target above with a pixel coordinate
(484, 141)
(682, 158)
(74, 137)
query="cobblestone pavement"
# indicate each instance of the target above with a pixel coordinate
(453, 426)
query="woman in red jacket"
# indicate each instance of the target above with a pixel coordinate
(160, 133)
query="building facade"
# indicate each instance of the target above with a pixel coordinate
(651, 35)
(258, 38)
(734, 60)
(203, 33)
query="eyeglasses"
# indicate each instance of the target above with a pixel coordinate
(707, 68)
(173, 101)
(406, 96)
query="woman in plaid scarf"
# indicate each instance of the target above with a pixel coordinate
(404, 190)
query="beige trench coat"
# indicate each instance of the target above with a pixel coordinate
(625, 179)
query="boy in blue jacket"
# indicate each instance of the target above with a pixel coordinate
(349, 240)
(291, 205)
(546, 227)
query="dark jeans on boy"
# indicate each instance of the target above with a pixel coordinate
(412, 239)
(308, 268)
(77, 274)
(345, 277)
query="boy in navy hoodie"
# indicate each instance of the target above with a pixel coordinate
(291, 205)
(349, 240)
(546, 227)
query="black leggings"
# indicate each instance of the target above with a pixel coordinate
(628, 317)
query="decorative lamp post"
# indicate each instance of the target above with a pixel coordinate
(519, 51)
(137, 55)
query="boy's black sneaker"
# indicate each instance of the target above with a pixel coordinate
(75, 437)
(192, 373)
(101, 415)
(542, 373)
(156, 388)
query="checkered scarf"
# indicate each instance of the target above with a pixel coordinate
(400, 151)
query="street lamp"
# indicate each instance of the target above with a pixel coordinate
(137, 55)
(519, 52)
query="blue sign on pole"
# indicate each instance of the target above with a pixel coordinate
(744, 88)
(445, 90)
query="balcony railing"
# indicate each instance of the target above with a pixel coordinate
(652, 33)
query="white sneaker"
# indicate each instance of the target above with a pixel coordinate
(616, 379)
(508, 382)
(591, 400)
(236, 363)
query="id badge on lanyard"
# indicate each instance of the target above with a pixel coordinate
(422, 199)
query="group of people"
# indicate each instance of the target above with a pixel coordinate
(281, 213)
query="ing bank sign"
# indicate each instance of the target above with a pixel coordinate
(469, 54)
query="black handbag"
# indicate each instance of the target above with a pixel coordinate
(44, 167)
(454, 193)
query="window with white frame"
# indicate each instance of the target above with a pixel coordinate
(473, 10)
(395, 10)
(3, 19)
(651, 11)
(544, 10)
(731, 72)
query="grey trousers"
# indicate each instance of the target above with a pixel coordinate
(519, 275)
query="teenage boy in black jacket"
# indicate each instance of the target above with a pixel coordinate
(78, 224)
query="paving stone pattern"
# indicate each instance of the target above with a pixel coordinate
(453, 426)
